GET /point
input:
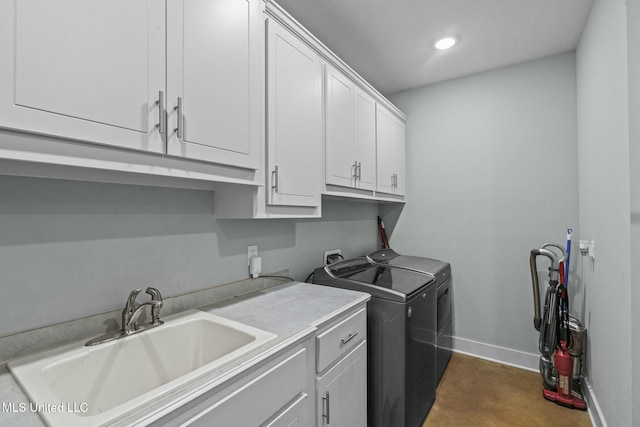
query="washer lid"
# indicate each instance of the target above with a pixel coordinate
(391, 258)
(378, 276)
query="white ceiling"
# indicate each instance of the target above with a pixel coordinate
(390, 43)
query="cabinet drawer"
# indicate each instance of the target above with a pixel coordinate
(340, 338)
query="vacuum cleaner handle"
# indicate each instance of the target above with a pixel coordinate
(553, 280)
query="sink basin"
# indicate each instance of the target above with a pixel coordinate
(90, 386)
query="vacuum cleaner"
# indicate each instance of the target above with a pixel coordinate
(562, 335)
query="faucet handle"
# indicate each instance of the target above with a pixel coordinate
(155, 294)
(131, 301)
(155, 309)
(130, 306)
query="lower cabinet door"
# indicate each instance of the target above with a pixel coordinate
(342, 391)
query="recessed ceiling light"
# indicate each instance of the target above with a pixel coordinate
(445, 43)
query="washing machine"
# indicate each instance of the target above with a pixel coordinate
(401, 337)
(441, 272)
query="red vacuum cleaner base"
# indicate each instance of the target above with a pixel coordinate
(568, 401)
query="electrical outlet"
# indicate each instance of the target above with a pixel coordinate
(328, 254)
(252, 252)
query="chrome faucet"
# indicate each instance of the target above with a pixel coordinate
(130, 315)
(132, 326)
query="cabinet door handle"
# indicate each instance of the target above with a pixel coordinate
(325, 405)
(359, 169)
(349, 337)
(180, 122)
(275, 179)
(162, 124)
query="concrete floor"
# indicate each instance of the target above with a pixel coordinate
(476, 392)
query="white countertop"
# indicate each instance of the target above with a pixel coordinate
(292, 311)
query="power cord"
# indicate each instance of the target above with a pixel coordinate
(333, 258)
(269, 276)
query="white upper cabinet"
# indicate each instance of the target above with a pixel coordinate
(390, 152)
(114, 72)
(85, 70)
(214, 80)
(294, 119)
(350, 133)
(192, 93)
(341, 166)
(400, 160)
(365, 140)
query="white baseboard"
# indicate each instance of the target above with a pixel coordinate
(527, 361)
(495, 353)
(595, 412)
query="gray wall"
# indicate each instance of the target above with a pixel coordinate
(633, 52)
(71, 249)
(492, 174)
(604, 195)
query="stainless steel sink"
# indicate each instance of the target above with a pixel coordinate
(96, 385)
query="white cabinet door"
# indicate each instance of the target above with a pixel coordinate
(390, 152)
(214, 50)
(350, 133)
(365, 115)
(294, 120)
(342, 392)
(85, 70)
(341, 166)
(399, 143)
(385, 150)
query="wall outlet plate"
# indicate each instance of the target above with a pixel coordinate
(327, 254)
(252, 252)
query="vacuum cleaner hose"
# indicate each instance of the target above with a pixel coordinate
(553, 277)
(537, 319)
(549, 327)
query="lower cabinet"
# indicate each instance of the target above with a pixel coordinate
(342, 392)
(278, 394)
(341, 366)
(320, 381)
